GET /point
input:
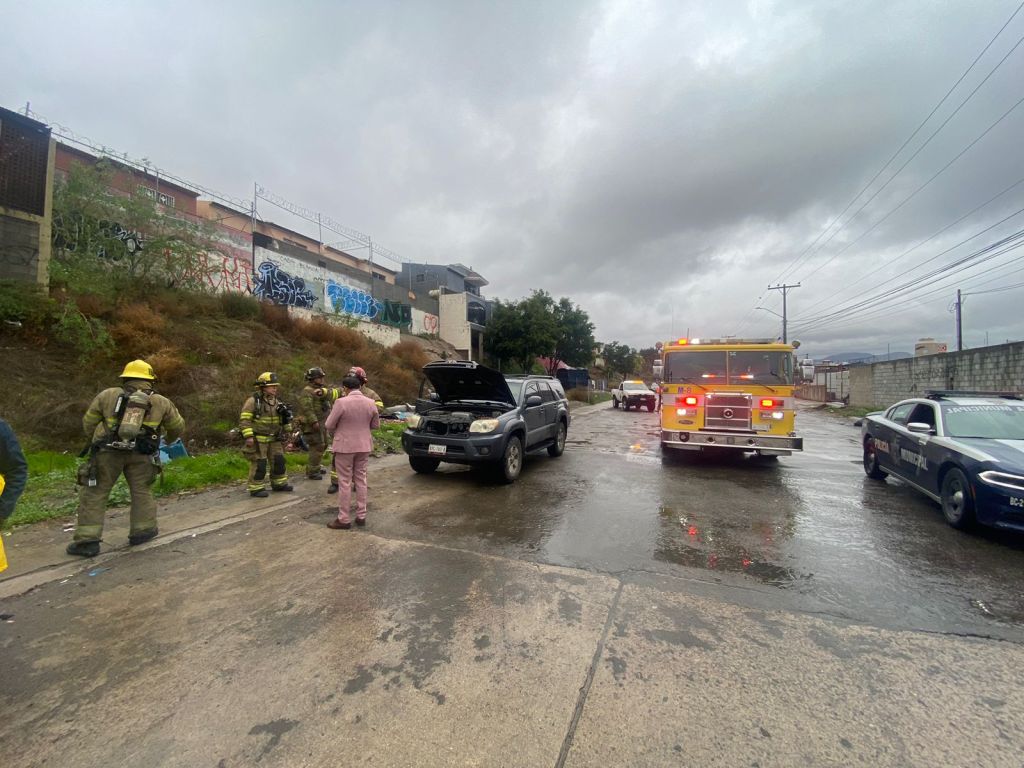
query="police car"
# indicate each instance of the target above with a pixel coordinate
(965, 450)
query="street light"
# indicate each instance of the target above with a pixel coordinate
(774, 313)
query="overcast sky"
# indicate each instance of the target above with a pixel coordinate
(661, 164)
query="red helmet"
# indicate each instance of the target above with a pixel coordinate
(359, 373)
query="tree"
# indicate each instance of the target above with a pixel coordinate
(515, 332)
(619, 358)
(574, 343)
(110, 240)
(649, 355)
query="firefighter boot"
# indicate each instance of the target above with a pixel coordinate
(142, 537)
(84, 548)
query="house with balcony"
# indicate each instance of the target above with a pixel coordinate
(463, 311)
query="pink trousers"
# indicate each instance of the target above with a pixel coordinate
(351, 466)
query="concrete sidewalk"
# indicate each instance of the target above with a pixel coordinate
(36, 555)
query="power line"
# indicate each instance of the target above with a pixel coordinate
(913, 194)
(941, 253)
(900, 291)
(910, 159)
(906, 142)
(928, 239)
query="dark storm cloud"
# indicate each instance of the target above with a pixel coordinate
(659, 163)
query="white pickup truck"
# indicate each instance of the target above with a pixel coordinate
(633, 394)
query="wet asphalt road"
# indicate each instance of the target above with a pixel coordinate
(807, 532)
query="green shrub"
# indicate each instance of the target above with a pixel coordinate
(88, 336)
(240, 306)
(25, 303)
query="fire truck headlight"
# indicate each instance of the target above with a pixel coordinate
(778, 415)
(682, 412)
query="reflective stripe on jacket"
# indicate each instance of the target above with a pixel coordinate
(261, 422)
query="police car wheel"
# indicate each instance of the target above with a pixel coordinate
(871, 468)
(957, 504)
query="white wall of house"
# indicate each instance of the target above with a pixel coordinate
(454, 326)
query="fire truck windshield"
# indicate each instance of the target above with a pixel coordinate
(729, 367)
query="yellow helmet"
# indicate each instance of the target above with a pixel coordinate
(138, 369)
(267, 379)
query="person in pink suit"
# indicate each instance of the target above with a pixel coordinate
(350, 421)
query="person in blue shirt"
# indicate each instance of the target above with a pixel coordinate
(13, 467)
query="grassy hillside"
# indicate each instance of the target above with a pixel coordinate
(59, 351)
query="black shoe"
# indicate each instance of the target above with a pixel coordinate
(332, 488)
(84, 548)
(360, 521)
(337, 525)
(260, 494)
(317, 476)
(142, 538)
(285, 487)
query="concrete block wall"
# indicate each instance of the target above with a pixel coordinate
(19, 247)
(999, 368)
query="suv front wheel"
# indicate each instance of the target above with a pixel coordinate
(512, 460)
(423, 465)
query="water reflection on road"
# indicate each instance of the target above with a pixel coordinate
(810, 528)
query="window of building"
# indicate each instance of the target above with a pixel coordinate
(420, 278)
(160, 197)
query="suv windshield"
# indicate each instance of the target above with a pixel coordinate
(517, 386)
(996, 422)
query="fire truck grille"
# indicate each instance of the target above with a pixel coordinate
(727, 411)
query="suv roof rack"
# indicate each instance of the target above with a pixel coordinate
(939, 394)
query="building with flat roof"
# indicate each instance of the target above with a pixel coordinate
(26, 198)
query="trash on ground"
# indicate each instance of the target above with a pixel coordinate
(97, 571)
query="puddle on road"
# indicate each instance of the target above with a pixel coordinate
(690, 541)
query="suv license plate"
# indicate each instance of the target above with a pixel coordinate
(437, 450)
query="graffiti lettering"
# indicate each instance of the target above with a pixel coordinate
(281, 288)
(353, 301)
(396, 315)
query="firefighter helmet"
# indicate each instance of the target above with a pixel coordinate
(267, 379)
(138, 369)
(359, 373)
(315, 373)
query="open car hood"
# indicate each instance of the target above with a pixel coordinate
(467, 380)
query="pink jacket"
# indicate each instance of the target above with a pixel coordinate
(351, 419)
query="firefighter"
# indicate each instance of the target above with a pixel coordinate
(265, 422)
(124, 425)
(314, 404)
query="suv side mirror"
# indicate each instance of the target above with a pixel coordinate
(920, 427)
(533, 400)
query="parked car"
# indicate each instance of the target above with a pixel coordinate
(965, 450)
(478, 416)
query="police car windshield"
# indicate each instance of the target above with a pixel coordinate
(994, 422)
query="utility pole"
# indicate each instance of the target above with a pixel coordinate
(959, 322)
(783, 288)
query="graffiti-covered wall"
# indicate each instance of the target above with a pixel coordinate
(285, 277)
(229, 267)
(286, 280)
(424, 322)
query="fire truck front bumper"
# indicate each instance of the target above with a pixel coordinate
(766, 445)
